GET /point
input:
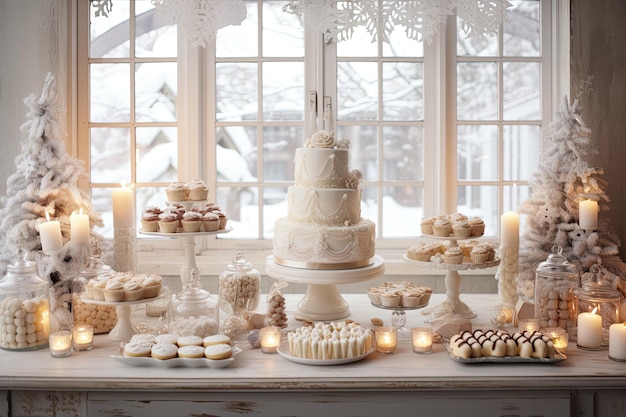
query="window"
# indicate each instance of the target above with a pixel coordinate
(449, 126)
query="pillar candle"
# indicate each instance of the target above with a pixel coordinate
(588, 214)
(509, 228)
(123, 207)
(589, 330)
(50, 235)
(617, 341)
(79, 224)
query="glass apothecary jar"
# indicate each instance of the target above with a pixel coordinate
(555, 281)
(24, 306)
(239, 287)
(193, 311)
(597, 296)
(103, 318)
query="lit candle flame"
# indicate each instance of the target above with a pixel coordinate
(47, 216)
(594, 310)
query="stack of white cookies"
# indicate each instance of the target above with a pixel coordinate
(172, 345)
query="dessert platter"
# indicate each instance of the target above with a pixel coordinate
(323, 241)
(284, 352)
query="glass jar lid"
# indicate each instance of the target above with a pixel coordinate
(22, 272)
(596, 289)
(557, 264)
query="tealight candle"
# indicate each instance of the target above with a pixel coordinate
(82, 337)
(60, 344)
(422, 339)
(588, 214)
(617, 342)
(79, 227)
(270, 339)
(50, 235)
(559, 336)
(528, 324)
(385, 339)
(589, 330)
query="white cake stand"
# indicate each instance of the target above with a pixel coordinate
(323, 301)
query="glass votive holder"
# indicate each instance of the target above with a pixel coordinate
(559, 336)
(528, 324)
(270, 339)
(422, 338)
(82, 337)
(60, 344)
(504, 314)
(386, 338)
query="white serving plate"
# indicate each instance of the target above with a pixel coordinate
(321, 362)
(175, 362)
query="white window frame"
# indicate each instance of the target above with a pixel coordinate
(196, 118)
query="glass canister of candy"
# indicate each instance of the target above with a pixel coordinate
(555, 281)
(193, 311)
(597, 296)
(276, 308)
(103, 318)
(239, 293)
(24, 306)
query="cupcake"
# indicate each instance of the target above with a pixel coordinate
(453, 255)
(151, 285)
(390, 298)
(442, 227)
(97, 289)
(427, 225)
(479, 254)
(477, 226)
(176, 191)
(223, 219)
(210, 222)
(467, 247)
(456, 217)
(114, 290)
(420, 252)
(168, 222)
(192, 221)
(460, 228)
(150, 221)
(133, 290)
(197, 190)
(412, 299)
(373, 294)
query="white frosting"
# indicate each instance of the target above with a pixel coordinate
(324, 206)
(321, 168)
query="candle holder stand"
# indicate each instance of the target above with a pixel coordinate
(125, 249)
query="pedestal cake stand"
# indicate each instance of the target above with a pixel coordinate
(322, 300)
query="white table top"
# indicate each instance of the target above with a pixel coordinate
(254, 370)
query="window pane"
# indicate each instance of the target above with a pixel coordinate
(521, 151)
(477, 148)
(153, 37)
(157, 154)
(363, 149)
(403, 153)
(236, 97)
(514, 196)
(359, 44)
(403, 91)
(283, 91)
(400, 45)
(109, 155)
(522, 90)
(109, 37)
(241, 206)
(101, 203)
(248, 30)
(106, 106)
(357, 91)
(236, 154)
(155, 92)
(283, 34)
(522, 30)
(475, 45)
(477, 91)
(279, 148)
(274, 207)
(400, 204)
(480, 201)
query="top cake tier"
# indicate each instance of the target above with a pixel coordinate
(321, 167)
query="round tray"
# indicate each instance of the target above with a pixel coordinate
(452, 267)
(164, 292)
(181, 234)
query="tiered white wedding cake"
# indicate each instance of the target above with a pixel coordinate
(324, 228)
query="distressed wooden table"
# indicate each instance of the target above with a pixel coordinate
(91, 383)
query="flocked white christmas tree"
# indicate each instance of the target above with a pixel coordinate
(46, 180)
(563, 180)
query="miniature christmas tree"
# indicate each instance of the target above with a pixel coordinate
(46, 180)
(563, 180)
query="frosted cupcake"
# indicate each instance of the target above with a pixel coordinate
(197, 190)
(192, 221)
(477, 226)
(151, 286)
(390, 299)
(479, 254)
(223, 219)
(97, 289)
(453, 255)
(176, 191)
(461, 228)
(420, 252)
(133, 290)
(168, 222)
(210, 222)
(442, 227)
(150, 221)
(114, 290)
(426, 225)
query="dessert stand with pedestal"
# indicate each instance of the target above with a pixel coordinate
(398, 319)
(124, 328)
(322, 300)
(452, 306)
